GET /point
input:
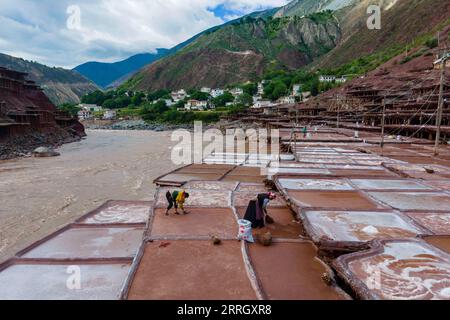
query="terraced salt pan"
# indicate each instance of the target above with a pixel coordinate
(328, 160)
(359, 226)
(198, 198)
(304, 171)
(405, 271)
(90, 243)
(296, 165)
(253, 187)
(280, 280)
(242, 198)
(439, 223)
(334, 200)
(49, 282)
(383, 184)
(427, 201)
(120, 212)
(182, 178)
(200, 222)
(315, 184)
(353, 167)
(441, 184)
(192, 270)
(211, 185)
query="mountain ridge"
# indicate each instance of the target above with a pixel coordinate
(60, 85)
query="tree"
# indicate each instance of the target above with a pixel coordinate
(222, 100)
(160, 106)
(70, 109)
(97, 97)
(109, 104)
(280, 89)
(245, 99)
(159, 94)
(138, 98)
(315, 87)
(198, 95)
(250, 88)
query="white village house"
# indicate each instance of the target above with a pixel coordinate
(109, 114)
(90, 107)
(296, 90)
(196, 105)
(262, 104)
(236, 92)
(287, 100)
(332, 79)
(84, 114)
(178, 95)
(217, 93)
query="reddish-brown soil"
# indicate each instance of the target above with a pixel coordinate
(333, 199)
(290, 271)
(192, 270)
(199, 222)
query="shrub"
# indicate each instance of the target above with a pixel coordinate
(432, 43)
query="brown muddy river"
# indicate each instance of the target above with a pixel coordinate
(40, 195)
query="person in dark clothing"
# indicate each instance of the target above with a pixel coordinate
(176, 199)
(257, 209)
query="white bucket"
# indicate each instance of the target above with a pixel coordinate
(245, 231)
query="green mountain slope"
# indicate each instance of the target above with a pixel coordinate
(242, 51)
(402, 22)
(60, 85)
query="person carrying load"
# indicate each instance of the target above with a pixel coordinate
(176, 199)
(257, 210)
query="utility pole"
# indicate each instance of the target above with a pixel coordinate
(383, 123)
(440, 106)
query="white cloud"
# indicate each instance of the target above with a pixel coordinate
(110, 29)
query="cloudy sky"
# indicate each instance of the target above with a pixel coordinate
(67, 33)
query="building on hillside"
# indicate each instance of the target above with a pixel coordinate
(217, 93)
(205, 90)
(262, 104)
(236, 92)
(342, 79)
(84, 114)
(261, 88)
(90, 107)
(438, 63)
(110, 115)
(306, 95)
(230, 104)
(325, 78)
(196, 105)
(169, 102)
(178, 95)
(287, 100)
(297, 90)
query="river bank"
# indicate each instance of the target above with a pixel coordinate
(23, 146)
(39, 195)
(134, 125)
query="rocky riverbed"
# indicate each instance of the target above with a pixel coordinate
(138, 125)
(23, 146)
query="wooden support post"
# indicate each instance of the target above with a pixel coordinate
(383, 123)
(440, 107)
(338, 112)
